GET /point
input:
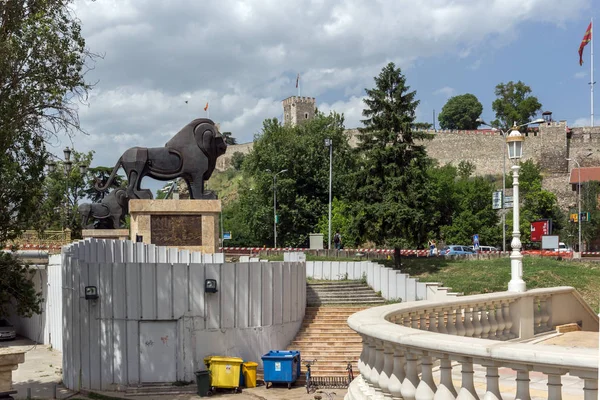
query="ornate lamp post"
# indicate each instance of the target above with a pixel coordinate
(514, 142)
(67, 167)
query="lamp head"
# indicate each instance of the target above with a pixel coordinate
(514, 141)
(538, 121)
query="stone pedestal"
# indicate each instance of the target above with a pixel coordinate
(119, 234)
(9, 361)
(185, 224)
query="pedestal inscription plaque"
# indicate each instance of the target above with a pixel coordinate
(179, 230)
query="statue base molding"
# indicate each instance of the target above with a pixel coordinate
(185, 224)
(118, 234)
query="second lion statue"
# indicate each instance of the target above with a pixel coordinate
(191, 155)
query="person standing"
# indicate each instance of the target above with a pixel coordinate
(431, 247)
(337, 240)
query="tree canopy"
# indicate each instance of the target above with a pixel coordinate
(514, 104)
(42, 70)
(391, 188)
(302, 191)
(461, 112)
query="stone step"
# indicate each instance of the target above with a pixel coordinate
(327, 331)
(335, 295)
(340, 342)
(321, 302)
(336, 283)
(358, 289)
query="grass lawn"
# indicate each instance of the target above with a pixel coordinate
(485, 276)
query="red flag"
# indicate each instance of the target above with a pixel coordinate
(586, 39)
(206, 106)
(297, 80)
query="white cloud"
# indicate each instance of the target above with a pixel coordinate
(243, 56)
(580, 75)
(446, 91)
(585, 121)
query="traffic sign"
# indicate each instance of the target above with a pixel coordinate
(508, 202)
(226, 235)
(497, 200)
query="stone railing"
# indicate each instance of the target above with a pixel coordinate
(9, 361)
(398, 356)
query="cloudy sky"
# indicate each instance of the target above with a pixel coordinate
(242, 56)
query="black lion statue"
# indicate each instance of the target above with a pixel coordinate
(109, 214)
(191, 155)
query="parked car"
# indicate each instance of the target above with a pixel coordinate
(484, 248)
(455, 250)
(563, 248)
(7, 331)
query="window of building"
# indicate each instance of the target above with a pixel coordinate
(305, 115)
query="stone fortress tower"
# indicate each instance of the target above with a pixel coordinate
(297, 109)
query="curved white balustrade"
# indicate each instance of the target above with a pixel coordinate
(403, 344)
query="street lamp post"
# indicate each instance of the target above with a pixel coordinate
(275, 204)
(329, 143)
(514, 142)
(67, 167)
(482, 122)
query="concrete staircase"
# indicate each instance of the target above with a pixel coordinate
(324, 334)
(341, 292)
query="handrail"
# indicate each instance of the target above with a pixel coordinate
(427, 330)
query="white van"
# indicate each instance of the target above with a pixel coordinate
(562, 247)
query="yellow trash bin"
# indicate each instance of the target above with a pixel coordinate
(224, 371)
(249, 371)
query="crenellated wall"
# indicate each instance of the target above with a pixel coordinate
(549, 145)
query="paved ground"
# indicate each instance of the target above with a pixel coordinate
(42, 369)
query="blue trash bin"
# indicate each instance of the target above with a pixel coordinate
(281, 366)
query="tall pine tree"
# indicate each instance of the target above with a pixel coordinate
(391, 191)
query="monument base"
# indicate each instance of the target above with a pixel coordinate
(186, 224)
(119, 234)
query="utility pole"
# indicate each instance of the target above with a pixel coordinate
(329, 143)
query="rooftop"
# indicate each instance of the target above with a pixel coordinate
(587, 174)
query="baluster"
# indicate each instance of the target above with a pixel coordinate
(432, 327)
(492, 383)
(406, 321)
(398, 375)
(485, 323)
(523, 385)
(590, 389)
(426, 388)
(363, 356)
(507, 321)
(545, 314)
(554, 387)
(460, 326)
(441, 326)
(388, 367)
(493, 323)
(378, 366)
(467, 390)
(537, 316)
(369, 367)
(501, 324)
(415, 320)
(423, 320)
(411, 381)
(451, 325)
(469, 328)
(445, 390)
(476, 322)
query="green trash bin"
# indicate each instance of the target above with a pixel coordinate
(203, 383)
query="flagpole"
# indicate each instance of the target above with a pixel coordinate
(592, 83)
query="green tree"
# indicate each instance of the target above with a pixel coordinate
(42, 67)
(100, 176)
(514, 104)
(17, 288)
(237, 159)
(303, 190)
(536, 202)
(461, 112)
(342, 220)
(229, 139)
(391, 188)
(62, 192)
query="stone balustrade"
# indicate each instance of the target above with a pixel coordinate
(402, 343)
(9, 361)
